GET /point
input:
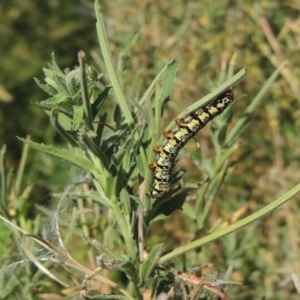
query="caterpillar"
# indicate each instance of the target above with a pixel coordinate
(175, 139)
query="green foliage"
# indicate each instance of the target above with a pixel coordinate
(111, 122)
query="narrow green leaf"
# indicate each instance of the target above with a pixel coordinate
(149, 264)
(168, 204)
(60, 129)
(243, 122)
(132, 41)
(84, 90)
(72, 80)
(224, 157)
(88, 142)
(64, 155)
(151, 88)
(110, 66)
(117, 115)
(146, 140)
(129, 144)
(238, 225)
(64, 121)
(100, 128)
(96, 106)
(46, 88)
(126, 205)
(92, 194)
(137, 200)
(178, 175)
(77, 116)
(57, 99)
(158, 110)
(57, 75)
(168, 78)
(125, 171)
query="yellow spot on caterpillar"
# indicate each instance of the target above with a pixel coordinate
(194, 125)
(204, 117)
(213, 110)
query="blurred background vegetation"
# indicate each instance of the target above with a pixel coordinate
(203, 36)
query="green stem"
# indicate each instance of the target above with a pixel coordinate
(84, 90)
(126, 233)
(3, 179)
(219, 164)
(103, 41)
(238, 225)
(110, 65)
(150, 89)
(89, 143)
(21, 167)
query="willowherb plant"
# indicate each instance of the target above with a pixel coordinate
(114, 150)
(111, 139)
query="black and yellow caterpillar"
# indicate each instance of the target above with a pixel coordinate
(184, 130)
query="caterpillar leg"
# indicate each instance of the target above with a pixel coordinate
(180, 122)
(168, 134)
(158, 149)
(153, 165)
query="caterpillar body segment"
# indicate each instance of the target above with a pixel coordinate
(162, 175)
(159, 189)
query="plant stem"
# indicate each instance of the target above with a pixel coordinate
(84, 90)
